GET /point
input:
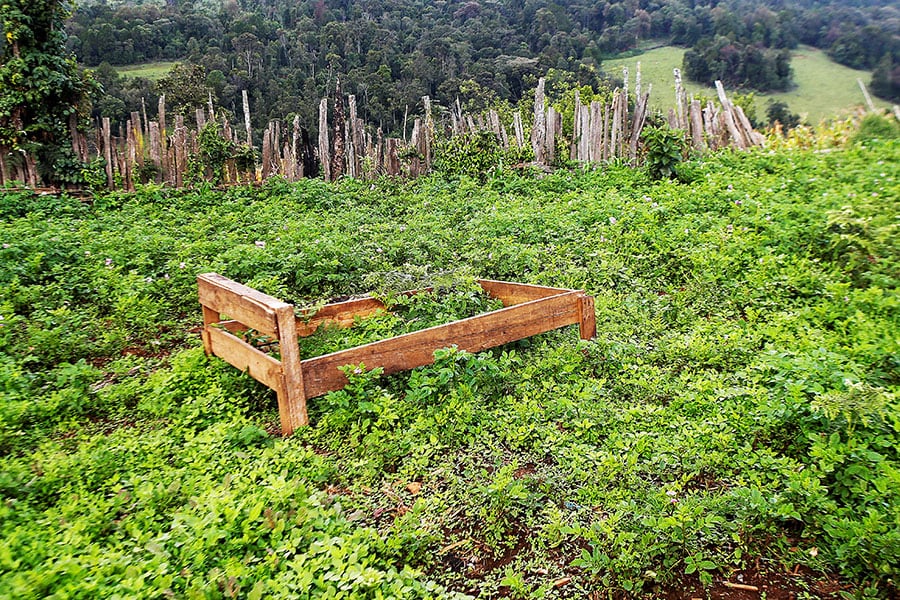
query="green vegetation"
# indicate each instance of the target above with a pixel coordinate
(42, 94)
(288, 55)
(152, 71)
(737, 414)
(824, 88)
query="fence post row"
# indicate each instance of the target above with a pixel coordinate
(147, 150)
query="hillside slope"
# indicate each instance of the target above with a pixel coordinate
(736, 419)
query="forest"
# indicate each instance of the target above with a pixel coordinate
(389, 54)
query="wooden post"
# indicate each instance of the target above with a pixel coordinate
(640, 117)
(751, 137)
(107, 153)
(267, 151)
(378, 158)
(696, 125)
(615, 134)
(155, 155)
(519, 129)
(550, 136)
(292, 396)
(866, 95)
(246, 100)
(297, 167)
(352, 147)
(393, 159)
(146, 120)
(637, 81)
(710, 121)
(587, 324)
(680, 100)
(138, 138)
(539, 129)
(604, 139)
(337, 157)
(577, 131)
(324, 151)
(179, 141)
(730, 123)
(428, 137)
(595, 149)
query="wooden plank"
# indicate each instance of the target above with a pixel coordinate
(252, 308)
(474, 334)
(587, 326)
(238, 353)
(517, 293)
(291, 394)
(341, 314)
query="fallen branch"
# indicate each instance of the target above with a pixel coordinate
(740, 586)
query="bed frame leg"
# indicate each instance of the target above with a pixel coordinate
(587, 326)
(292, 395)
(210, 317)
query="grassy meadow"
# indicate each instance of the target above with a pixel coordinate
(824, 88)
(152, 71)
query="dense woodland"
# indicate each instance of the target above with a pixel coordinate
(288, 54)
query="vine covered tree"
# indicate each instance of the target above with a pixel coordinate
(42, 93)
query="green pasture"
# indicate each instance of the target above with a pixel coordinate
(151, 71)
(824, 88)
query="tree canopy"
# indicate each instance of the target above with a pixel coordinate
(41, 89)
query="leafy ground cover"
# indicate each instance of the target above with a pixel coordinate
(736, 420)
(824, 88)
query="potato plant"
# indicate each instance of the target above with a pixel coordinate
(736, 419)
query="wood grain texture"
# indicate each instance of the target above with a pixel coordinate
(517, 293)
(238, 353)
(252, 308)
(341, 314)
(474, 334)
(292, 395)
(587, 326)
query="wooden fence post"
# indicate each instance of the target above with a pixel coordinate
(246, 100)
(337, 157)
(324, 151)
(539, 129)
(107, 153)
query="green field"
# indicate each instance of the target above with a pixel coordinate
(151, 71)
(824, 88)
(737, 418)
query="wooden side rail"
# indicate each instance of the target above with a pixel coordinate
(528, 310)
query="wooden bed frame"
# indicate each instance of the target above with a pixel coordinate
(528, 310)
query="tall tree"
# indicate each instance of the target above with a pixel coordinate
(42, 92)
